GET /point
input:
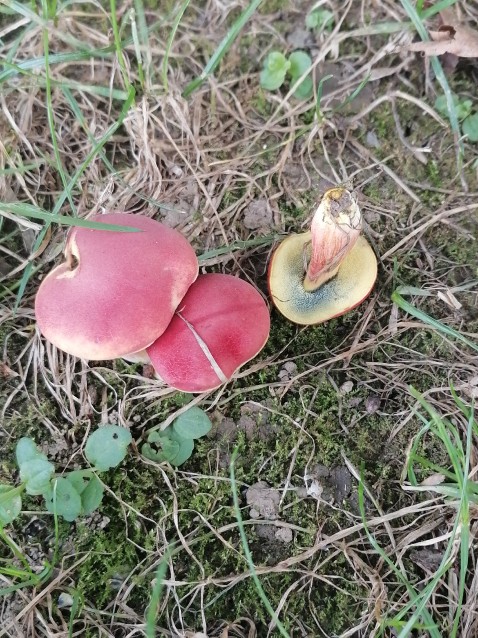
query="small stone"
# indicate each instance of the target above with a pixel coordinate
(264, 500)
(176, 171)
(65, 601)
(372, 403)
(471, 388)
(372, 140)
(284, 534)
(288, 371)
(315, 489)
(258, 214)
(346, 387)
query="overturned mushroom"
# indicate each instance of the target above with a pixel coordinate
(327, 271)
(116, 292)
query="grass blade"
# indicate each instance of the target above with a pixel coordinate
(223, 47)
(247, 552)
(156, 597)
(28, 210)
(434, 323)
(169, 43)
(417, 21)
(41, 236)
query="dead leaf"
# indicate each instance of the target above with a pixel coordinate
(434, 479)
(455, 38)
(449, 298)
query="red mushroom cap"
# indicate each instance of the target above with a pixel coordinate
(116, 292)
(222, 323)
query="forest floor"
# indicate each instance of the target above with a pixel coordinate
(358, 431)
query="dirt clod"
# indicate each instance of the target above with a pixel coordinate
(264, 501)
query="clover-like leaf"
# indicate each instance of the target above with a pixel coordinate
(89, 487)
(92, 495)
(10, 504)
(63, 499)
(470, 127)
(274, 71)
(192, 424)
(36, 475)
(107, 446)
(26, 451)
(168, 446)
(300, 63)
(165, 451)
(79, 479)
(320, 19)
(462, 107)
(186, 447)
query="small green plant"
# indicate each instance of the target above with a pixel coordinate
(277, 67)
(320, 19)
(454, 482)
(467, 117)
(175, 444)
(70, 494)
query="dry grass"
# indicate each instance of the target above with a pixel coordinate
(198, 164)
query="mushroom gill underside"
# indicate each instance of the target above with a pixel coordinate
(347, 289)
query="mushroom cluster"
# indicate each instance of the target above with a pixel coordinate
(138, 294)
(326, 272)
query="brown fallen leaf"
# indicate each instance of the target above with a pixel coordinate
(433, 479)
(452, 37)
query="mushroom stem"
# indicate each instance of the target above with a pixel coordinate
(335, 228)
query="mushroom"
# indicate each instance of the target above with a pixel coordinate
(116, 292)
(222, 323)
(327, 271)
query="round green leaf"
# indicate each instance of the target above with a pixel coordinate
(173, 448)
(169, 449)
(275, 68)
(79, 479)
(441, 104)
(64, 499)
(319, 19)
(192, 424)
(107, 446)
(155, 436)
(36, 475)
(11, 507)
(26, 451)
(462, 107)
(304, 90)
(186, 447)
(150, 453)
(165, 451)
(470, 127)
(300, 62)
(92, 495)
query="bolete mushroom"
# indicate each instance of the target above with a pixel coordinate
(116, 292)
(222, 323)
(324, 273)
